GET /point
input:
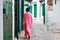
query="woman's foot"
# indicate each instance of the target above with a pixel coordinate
(29, 37)
(25, 37)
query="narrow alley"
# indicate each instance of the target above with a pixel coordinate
(45, 15)
(40, 32)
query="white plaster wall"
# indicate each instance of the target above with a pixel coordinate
(1, 19)
(33, 9)
(56, 14)
(39, 14)
(53, 17)
(38, 9)
(25, 2)
(35, 0)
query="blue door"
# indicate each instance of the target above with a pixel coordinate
(30, 7)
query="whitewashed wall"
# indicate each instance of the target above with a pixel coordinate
(39, 16)
(1, 19)
(53, 17)
(25, 2)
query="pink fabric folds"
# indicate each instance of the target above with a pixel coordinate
(27, 22)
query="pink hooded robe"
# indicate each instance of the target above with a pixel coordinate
(27, 22)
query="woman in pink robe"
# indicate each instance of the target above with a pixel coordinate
(27, 22)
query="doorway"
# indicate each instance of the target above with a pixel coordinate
(19, 10)
(7, 19)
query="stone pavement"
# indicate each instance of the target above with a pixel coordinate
(53, 35)
(39, 32)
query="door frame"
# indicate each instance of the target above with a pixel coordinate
(13, 3)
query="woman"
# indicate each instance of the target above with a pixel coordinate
(27, 22)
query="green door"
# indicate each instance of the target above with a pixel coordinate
(7, 19)
(21, 12)
(35, 10)
(43, 11)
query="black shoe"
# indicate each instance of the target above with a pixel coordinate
(28, 37)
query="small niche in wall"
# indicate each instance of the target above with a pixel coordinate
(4, 10)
